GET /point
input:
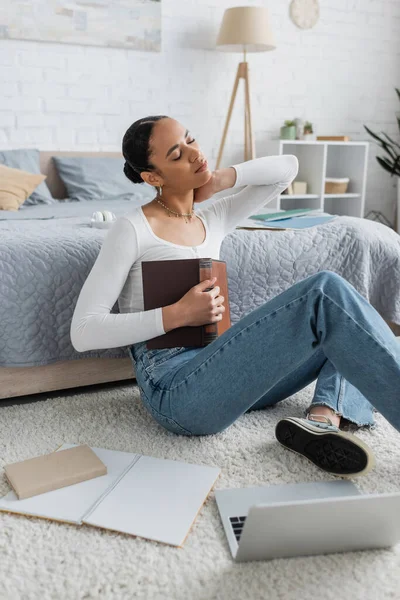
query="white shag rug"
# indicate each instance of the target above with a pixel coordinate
(42, 559)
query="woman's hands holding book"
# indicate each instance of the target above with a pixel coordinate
(198, 306)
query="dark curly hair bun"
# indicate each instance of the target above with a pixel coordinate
(131, 174)
(136, 147)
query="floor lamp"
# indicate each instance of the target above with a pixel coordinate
(244, 29)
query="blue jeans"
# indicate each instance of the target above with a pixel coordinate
(319, 328)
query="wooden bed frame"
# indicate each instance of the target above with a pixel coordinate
(22, 381)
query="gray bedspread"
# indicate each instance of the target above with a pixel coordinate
(47, 251)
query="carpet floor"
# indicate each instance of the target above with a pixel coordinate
(49, 560)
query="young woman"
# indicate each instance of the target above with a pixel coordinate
(319, 328)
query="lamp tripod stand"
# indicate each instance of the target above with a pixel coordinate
(249, 146)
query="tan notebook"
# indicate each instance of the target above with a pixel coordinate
(53, 471)
(167, 281)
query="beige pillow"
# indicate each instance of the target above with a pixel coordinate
(16, 186)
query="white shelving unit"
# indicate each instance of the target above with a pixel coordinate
(321, 159)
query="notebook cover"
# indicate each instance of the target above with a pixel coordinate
(157, 499)
(167, 281)
(53, 471)
(71, 504)
(302, 222)
(283, 214)
(249, 225)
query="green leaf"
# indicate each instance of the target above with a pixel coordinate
(384, 145)
(392, 154)
(397, 164)
(374, 135)
(391, 164)
(384, 165)
(392, 141)
(388, 166)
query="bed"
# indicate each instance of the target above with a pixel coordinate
(47, 251)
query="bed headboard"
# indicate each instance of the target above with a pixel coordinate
(47, 167)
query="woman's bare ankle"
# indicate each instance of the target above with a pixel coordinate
(315, 411)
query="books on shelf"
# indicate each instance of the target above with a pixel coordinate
(333, 138)
(154, 498)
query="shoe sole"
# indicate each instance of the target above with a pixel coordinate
(337, 453)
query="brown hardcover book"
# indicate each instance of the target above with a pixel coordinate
(333, 138)
(166, 281)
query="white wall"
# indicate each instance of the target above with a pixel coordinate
(340, 75)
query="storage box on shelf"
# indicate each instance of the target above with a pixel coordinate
(336, 186)
(321, 160)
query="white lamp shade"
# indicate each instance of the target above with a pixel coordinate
(245, 28)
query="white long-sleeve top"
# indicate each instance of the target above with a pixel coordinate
(117, 273)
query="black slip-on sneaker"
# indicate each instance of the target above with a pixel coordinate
(330, 449)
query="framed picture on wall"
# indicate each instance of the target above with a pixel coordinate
(132, 24)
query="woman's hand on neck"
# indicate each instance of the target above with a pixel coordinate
(221, 179)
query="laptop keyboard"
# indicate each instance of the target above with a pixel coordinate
(237, 526)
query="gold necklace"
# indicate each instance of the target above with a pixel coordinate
(188, 215)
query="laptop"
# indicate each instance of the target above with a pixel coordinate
(299, 519)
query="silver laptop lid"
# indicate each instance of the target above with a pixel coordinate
(320, 526)
(236, 502)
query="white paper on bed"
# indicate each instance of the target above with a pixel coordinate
(154, 498)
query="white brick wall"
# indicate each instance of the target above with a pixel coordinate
(340, 75)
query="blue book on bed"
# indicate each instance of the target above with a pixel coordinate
(299, 222)
(284, 214)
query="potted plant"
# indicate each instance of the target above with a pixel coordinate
(308, 133)
(391, 163)
(288, 131)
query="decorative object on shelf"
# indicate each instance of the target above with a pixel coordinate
(288, 130)
(108, 23)
(377, 215)
(299, 128)
(304, 13)
(308, 133)
(244, 29)
(289, 190)
(319, 160)
(299, 187)
(333, 138)
(334, 185)
(391, 164)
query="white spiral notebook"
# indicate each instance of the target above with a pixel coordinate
(154, 498)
